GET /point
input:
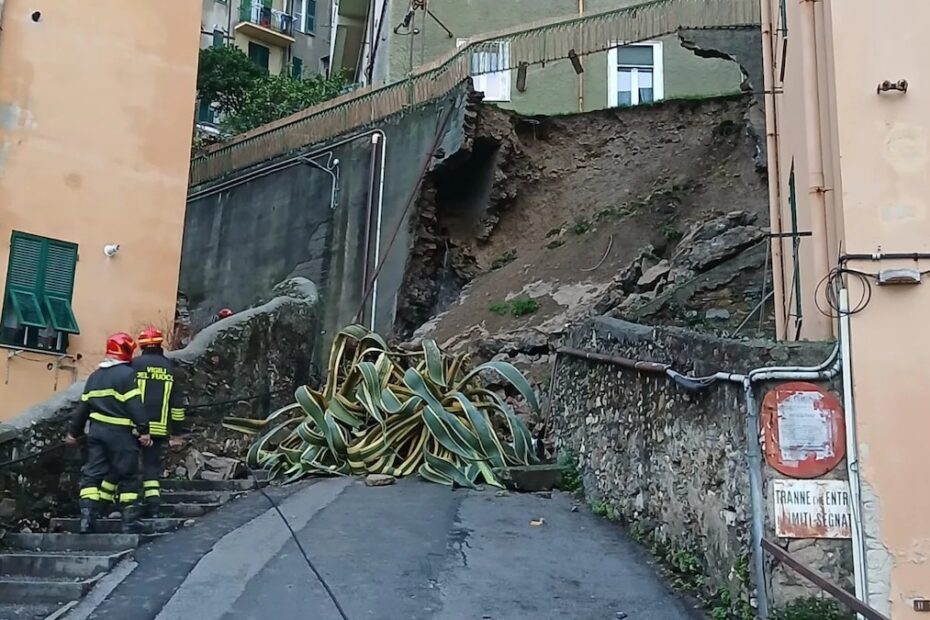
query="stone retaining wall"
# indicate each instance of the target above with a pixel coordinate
(245, 365)
(671, 463)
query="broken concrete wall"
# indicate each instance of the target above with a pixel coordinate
(261, 225)
(672, 463)
(246, 365)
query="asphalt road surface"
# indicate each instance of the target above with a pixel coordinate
(412, 551)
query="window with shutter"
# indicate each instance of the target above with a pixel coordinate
(37, 310)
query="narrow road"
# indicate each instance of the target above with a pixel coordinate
(410, 551)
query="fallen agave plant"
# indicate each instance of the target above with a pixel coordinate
(394, 412)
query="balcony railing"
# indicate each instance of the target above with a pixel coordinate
(255, 12)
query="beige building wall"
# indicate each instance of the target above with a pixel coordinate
(876, 162)
(96, 112)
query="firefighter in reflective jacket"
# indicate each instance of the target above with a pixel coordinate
(161, 395)
(117, 426)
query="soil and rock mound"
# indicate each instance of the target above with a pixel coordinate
(656, 214)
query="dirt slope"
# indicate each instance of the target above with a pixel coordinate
(551, 209)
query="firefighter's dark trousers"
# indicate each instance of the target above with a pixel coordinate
(111, 471)
(152, 468)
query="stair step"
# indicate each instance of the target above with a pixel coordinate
(115, 526)
(62, 564)
(103, 543)
(33, 611)
(43, 589)
(229, 486)
(188, 511)
(195, 497)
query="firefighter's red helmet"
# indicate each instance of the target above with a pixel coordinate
(120, 346)
(225, 313)
(151, 337)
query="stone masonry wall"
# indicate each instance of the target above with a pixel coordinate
(671, 463)
(245, 365)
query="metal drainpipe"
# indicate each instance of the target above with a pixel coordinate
(860, 567)
(375, 141)
(814, 143)
(771, 150)
(581, 75)
(826, 370)
(332, 169)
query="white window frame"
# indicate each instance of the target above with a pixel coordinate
(299, 14)
(495, 85)
(658, 73)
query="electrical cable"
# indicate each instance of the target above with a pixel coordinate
(303, 552)
(833, 282)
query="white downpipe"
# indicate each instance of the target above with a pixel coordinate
(852, 455)
(378, 138)
(826, 370)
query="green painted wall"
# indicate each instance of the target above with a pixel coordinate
(552, 89)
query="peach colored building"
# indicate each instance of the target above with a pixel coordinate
(849, 169)
(96, 115)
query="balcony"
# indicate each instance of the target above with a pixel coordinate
(262, 23)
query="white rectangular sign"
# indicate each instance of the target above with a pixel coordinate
(812, 508)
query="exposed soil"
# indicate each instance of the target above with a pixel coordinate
(551, 209)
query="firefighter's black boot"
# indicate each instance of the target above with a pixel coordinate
(88, 522)
(131, 515)
(152, 508)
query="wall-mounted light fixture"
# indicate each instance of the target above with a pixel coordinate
(110, 250)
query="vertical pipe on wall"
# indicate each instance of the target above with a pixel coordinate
(814, 143)
(377, 140)
(580, 75)
(774, 175)
(852, 454)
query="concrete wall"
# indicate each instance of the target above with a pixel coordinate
(555, 88)
(247, 365)
(239, 241)
(96, 109)
(873, 152)
(672, 462)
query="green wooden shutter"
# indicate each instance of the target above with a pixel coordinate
(59, 286)
(24, 279)
(297, 68)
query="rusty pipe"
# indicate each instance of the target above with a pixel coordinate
(625, 362)
(774, 173)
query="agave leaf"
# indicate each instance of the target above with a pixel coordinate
(434, 363)
(508, 372)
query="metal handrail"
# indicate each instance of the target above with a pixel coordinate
(545, 41)
(254, 12)
(849, 601)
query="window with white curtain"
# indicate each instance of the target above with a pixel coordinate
(487, 69)
(635, 74)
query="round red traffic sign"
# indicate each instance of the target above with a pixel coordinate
(803, 430)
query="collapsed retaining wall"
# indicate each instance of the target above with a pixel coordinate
(671, 463)
(245, 365)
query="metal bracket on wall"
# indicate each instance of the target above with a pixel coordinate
(887, 85)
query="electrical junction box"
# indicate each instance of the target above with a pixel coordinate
(899, 276)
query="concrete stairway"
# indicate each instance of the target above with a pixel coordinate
(41, 572)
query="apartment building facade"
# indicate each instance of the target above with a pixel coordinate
(849, 150)
(92, 190)
(280, 36)
(641, 73)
